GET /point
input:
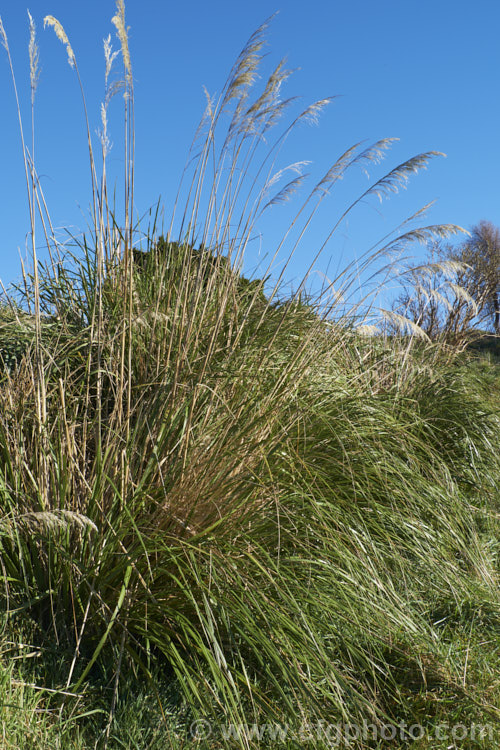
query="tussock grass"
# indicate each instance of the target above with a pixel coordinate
(218, 502)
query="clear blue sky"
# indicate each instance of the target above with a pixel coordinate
(425, 71)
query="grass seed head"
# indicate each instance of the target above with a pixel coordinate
(34, 57)
(119, 22)
(3, 36)
(61, 35)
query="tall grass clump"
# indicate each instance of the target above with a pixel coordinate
(225, 502)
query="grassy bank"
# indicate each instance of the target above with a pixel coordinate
(227, 506)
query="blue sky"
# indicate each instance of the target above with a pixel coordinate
(426, 72)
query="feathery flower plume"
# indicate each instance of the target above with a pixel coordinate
(110, 91)
(103, 134)
(3, 35)
(312, 112)
(404, 324)
(61, 35)
(109, 57)
(34, 58)
(48, 521)
(119, 22)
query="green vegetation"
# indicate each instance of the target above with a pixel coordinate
(223, 505)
